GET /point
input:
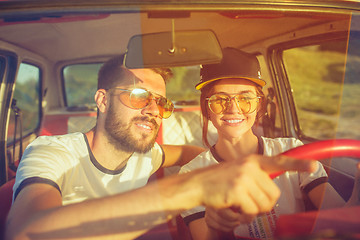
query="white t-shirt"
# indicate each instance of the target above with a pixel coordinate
(291, 184)
(67, 163)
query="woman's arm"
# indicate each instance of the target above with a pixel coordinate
(324, 196)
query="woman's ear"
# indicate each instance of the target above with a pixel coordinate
(101, 100)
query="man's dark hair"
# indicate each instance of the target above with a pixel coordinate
(113, 71)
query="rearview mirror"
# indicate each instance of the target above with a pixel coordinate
(172, 49)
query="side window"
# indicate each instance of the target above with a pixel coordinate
(80, 82)
(25, 113)
(318, 83)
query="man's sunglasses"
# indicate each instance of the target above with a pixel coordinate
(219, 103)
(141, 98)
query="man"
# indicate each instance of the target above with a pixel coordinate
(93, 185)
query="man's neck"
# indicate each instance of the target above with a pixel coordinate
(106, 153)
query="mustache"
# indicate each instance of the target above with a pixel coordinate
(146, 119)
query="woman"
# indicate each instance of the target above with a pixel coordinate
(232, 99)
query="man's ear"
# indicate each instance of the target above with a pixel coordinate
(101, 100)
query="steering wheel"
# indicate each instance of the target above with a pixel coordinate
(324, 149)
(293, 225)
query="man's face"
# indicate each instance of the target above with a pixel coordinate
(134, 130)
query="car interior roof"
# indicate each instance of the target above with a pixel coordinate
(63, 38)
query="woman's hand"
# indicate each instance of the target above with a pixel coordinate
(226, 219)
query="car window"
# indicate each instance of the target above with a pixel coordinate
(181, 88)
(80, 82)
(316, 74)
(25, 111)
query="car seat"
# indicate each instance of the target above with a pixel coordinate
(6, 192)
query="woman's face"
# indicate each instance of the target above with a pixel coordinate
(234, 121)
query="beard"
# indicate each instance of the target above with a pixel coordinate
(120, 134)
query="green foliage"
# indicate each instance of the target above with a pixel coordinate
(181, 88)
(81, 83)
(26, 95)
(321, 94)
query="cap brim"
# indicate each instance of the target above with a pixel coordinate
(259, 82)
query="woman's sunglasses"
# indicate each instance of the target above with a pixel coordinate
(219, 103)
(141, 98)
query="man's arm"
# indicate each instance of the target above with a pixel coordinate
(180, 154)
(37, 212)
